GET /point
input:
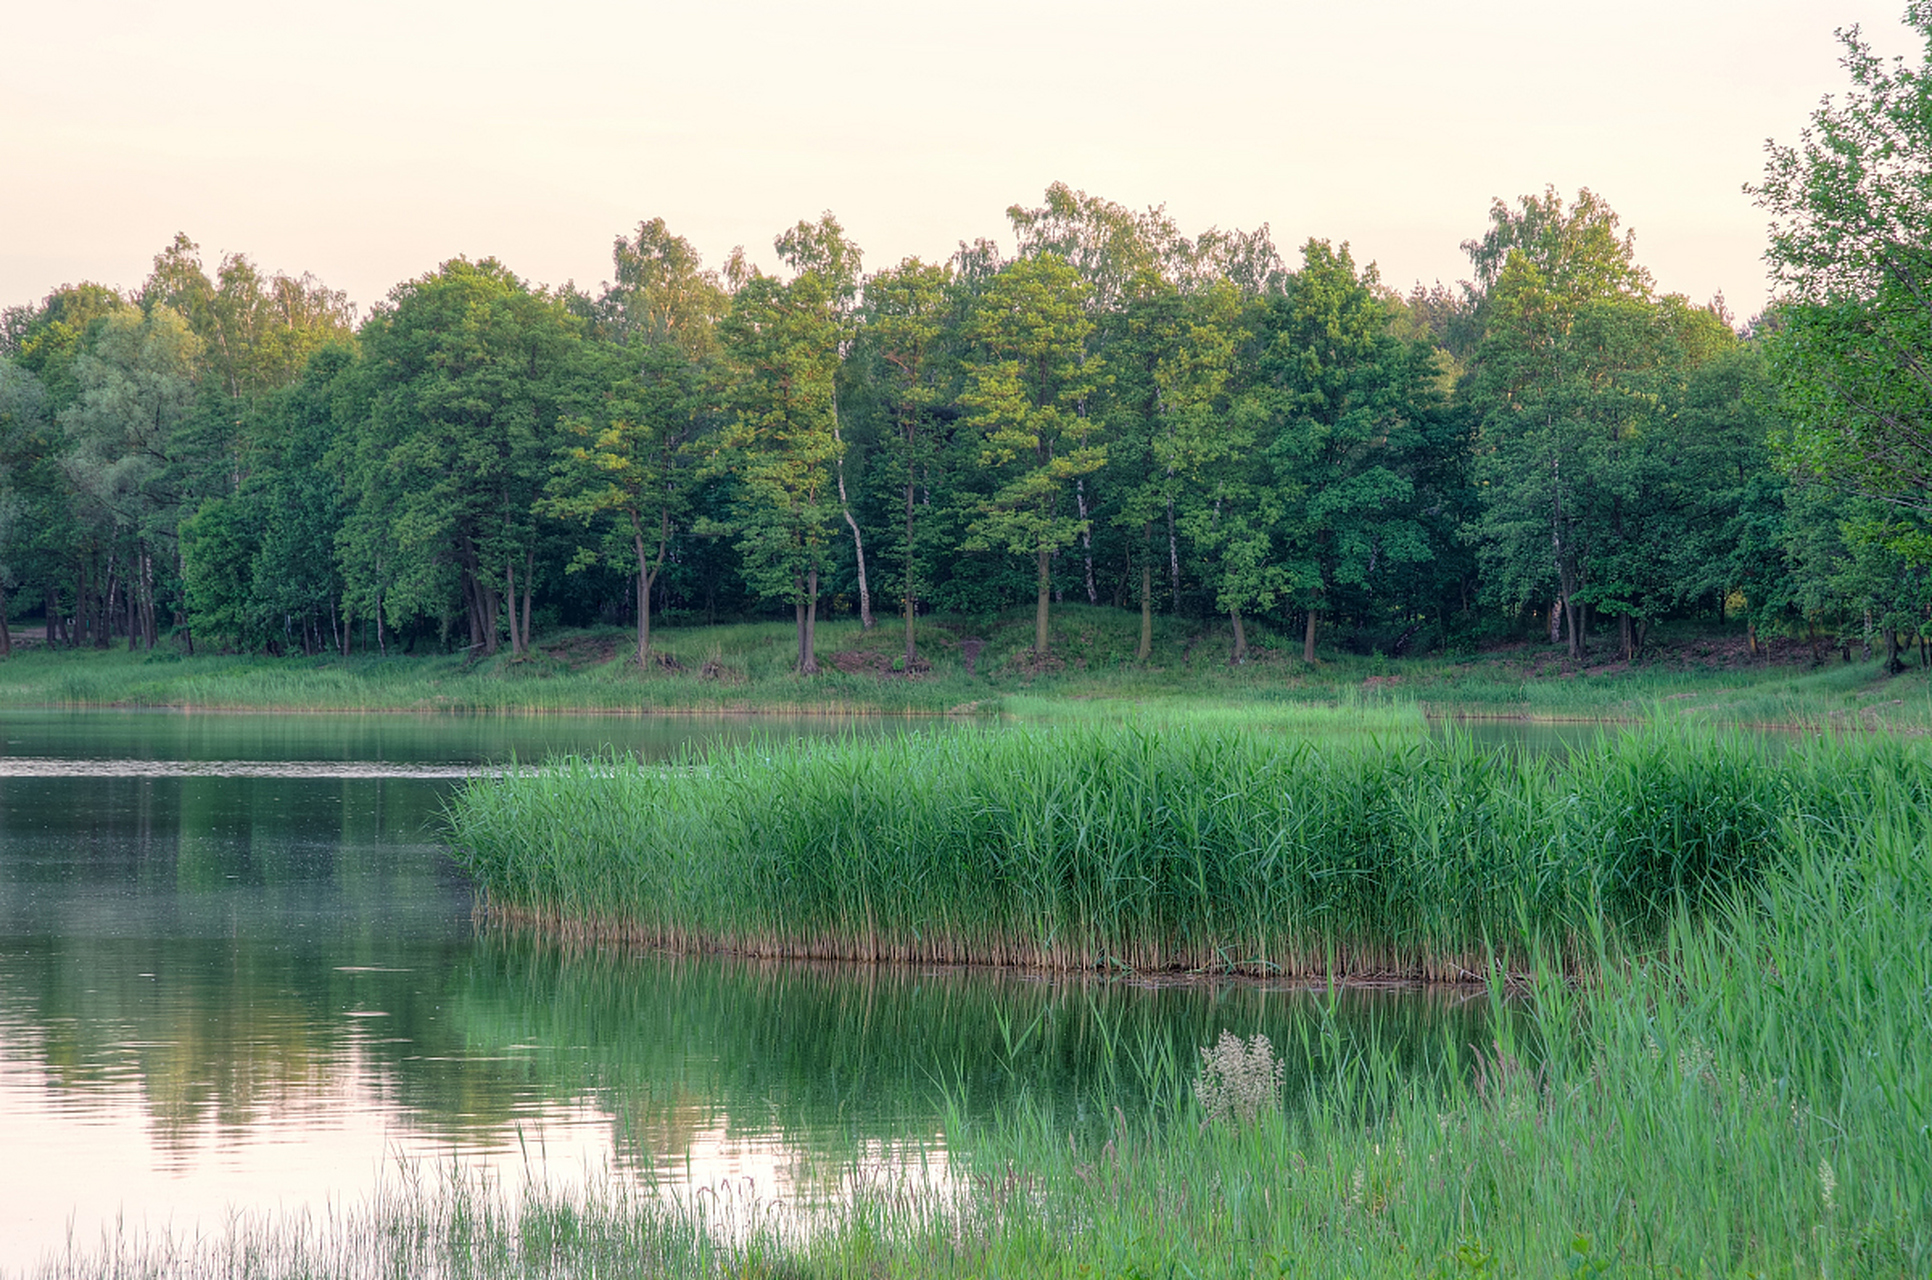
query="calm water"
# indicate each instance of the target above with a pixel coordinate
(237, 972)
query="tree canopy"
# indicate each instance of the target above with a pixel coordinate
(1118, 411)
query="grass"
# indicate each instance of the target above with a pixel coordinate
(1699, 676)
(1188, 847)
(1750, 1098)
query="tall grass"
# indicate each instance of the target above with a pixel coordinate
(1189, 848)
(1755, 1099)
(1752, 1098)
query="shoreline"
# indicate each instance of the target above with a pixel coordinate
(1430, 713)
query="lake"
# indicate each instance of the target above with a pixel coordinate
(239, 973)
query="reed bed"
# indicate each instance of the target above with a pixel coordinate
(1190, 848)
(1751, 1099)
(1754, 1099)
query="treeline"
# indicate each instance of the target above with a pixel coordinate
(1119, 413)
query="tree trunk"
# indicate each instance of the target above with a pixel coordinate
(1041, 606)
(1893, 663)
(858, 542)
(182, 628)
(811, 623)
(1308, 639)
(1146, 649)
(53, 616)
(149, 620)
(911, 595)
(643, 600)
(1570, 612)
(1626, 639)
(6, 633)
(1173, 558)
(529, 589)
(382, 645)
(1751, 638)
(1240, 638)
(1556, 621)
(473, 609)
(858, 550)
(510, 604)
(110, 607)
(1086, 538)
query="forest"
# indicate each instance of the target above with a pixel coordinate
(1119, 413)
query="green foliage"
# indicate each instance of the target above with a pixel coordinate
(1353, 433)
(457, 403)
(1852, 218)
(1122, 413)
(1616, 432)
(907, 309)
(636, 458)
(1028, 378)
(782, 447)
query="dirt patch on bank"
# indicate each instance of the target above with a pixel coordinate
(579, 652)
(876, 662)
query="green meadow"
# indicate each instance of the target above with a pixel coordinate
(1698, 675)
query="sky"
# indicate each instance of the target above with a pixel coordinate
(368, 141)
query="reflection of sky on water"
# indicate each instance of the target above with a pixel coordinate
(96, 1145)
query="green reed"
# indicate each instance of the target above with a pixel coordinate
(1752, 1098)
(1195, 848)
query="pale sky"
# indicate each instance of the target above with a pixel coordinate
(367, 141)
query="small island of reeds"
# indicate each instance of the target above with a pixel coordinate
(1190, 847)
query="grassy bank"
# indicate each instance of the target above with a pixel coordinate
(1753, 1099)
(983, 666)
(1106, 847)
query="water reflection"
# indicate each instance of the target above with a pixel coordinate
(253, 991)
